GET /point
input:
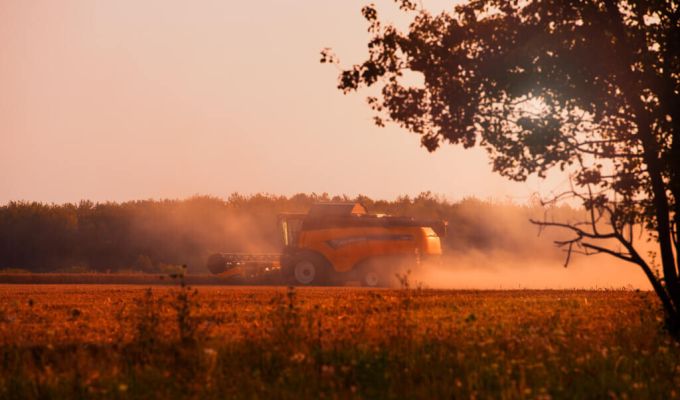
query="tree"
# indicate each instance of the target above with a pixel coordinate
(591, 87)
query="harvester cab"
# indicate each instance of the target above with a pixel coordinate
(290, 226)
(335, 243)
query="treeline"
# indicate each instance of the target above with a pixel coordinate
(153, 236)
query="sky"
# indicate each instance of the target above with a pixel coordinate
(126, 99)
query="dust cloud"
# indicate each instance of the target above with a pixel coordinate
(489, 245)
(504, 271)
(190, 231)
(495, 246)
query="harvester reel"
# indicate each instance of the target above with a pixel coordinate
(217, 264)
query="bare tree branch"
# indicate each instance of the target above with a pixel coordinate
(600, 249)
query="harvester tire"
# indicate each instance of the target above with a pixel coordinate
(377, 272)
(309, 270)
(217, 264)
(370, 278)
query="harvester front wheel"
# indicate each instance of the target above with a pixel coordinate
(309, 270)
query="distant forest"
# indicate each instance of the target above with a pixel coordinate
(158, 235)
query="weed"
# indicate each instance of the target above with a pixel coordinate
(147, 333)
(334, 343)
(285, 321)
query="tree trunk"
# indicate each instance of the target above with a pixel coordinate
(672, 315)
(662, 214)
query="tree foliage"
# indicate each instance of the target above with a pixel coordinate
(589, 87)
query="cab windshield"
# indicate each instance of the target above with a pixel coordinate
(290, 229)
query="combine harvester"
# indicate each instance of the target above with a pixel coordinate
(337, 243)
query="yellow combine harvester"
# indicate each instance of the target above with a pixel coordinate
(335, 243)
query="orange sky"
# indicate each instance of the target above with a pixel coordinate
(126, 99)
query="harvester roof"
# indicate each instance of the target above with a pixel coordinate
(345, 215)
(336, 210)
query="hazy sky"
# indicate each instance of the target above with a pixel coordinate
(129, 99)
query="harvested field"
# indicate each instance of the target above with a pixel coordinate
(123, 341)
(117, 279)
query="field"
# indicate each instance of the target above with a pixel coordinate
(103, 278)
(90, 341)
(98, 278)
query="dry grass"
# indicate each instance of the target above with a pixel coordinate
(97, 278)
(118, 278)
(257, 342)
